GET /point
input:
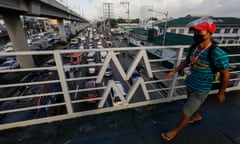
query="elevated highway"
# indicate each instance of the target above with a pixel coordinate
(40, 8)
(11, 10)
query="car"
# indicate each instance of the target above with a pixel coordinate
(90, 57)
(134, 77)
(8, 47)
(50, 62)
(99, 43)
(69, 47)
(109, 43)
(82, 38)
(92, 69)
(109, 71)
(103, 55)
(49, 37)
(76, 58)
(10, 64)
(81, 46)
(39, 42)
(74, 41)
(114, 95)
(90, 45)
(9, 58)
(57, 38)
(99, 46)
(73, 46)
(91, 93)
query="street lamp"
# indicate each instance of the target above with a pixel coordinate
(165, 25)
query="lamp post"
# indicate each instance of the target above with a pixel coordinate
(165, 25)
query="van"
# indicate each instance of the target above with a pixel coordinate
(115, 97)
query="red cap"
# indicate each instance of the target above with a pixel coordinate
(204, 23)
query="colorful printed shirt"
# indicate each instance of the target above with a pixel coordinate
(201, 75)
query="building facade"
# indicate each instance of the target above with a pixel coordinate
(227, 31)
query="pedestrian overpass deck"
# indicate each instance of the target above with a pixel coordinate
(220, 125)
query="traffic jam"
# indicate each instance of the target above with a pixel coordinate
(85, 93)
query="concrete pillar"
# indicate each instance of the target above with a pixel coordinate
(18, 38)
(62, 29)
(79, 26)
(73, 27)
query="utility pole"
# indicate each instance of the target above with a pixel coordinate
(165, 25)
(107, 13)
(128, 12)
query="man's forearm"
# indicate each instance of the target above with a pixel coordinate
(224, 81)
(181, 66)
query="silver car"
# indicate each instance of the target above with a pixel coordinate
(10, 64)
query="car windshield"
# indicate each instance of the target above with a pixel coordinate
(5, 64)
(117, 99)
(135, 74)
(90, 84)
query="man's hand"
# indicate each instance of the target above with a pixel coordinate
(221, 98)
(224, 83)
(170, 75)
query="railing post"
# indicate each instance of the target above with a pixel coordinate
(62, 78)
(174, 80)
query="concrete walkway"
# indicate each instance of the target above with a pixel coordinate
(220, 125)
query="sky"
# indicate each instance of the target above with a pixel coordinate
(93, 9)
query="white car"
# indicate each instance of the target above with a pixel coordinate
(10, 64)
(74, 41)
(103, 55)
(8, 47)
(81, 47)
(115, 97)
(99, 43)
(90, 57)
(92, 69)
(109, 71)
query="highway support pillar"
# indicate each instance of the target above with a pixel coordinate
(18, 38)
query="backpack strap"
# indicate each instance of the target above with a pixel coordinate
(210, 58)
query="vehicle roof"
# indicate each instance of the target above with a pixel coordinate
(9, 61)
(75, 54)
(135, 74)
(90, 54)
(120, 87)
(90, 84)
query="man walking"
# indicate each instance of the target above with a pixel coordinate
(199, 73)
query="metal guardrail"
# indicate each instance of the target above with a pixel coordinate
(48, 94)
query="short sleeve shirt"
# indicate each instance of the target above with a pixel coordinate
(201, 77)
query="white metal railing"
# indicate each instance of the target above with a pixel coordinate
(52, 93)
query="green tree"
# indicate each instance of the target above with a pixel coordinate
(135, 20)
(120, 20)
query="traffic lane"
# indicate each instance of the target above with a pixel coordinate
(138, 95)
(128, 59)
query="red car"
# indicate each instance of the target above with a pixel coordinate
(91, 94)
